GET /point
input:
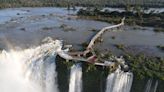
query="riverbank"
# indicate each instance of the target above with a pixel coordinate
(81, 3)
(141, 17)
(26, 27)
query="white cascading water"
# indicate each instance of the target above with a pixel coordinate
(119, 81)
(75, 84)
(150, 87)
(30, 70)
(155, 86)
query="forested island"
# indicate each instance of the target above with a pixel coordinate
(84, 3)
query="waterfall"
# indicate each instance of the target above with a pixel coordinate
(29, 70)
(75, 84)
(150, 86)
(156, 85)
(119, 81)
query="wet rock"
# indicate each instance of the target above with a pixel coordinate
(43, 15)
(120, 46)
(51, 14)
(47, 28)
(23, 29)
(18, 13)
(28, 10)
(113, 37)
(94, 30)
(159, 29)
(84, 44)
(160, 47)
(132, 18)
(67, 28)
(89, 11)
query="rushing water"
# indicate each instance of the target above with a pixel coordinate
(33, 24)
(119, 81)
(30, 70)
(150, 87)
(33, 69)
(75, 79)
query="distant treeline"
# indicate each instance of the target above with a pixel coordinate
(60, 3)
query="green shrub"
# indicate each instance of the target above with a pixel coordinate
(159, 29)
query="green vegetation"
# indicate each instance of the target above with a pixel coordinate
(67, 27)
(143, 66)
(159, 29)
(84, 45)
(23, 29)
(47, 28)
(113, 37)
(68, 64)
(91, 67)
(134, 17)
(28, 3)
(120, 46)
(160, 47)
(94, 30)
(72, 3)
